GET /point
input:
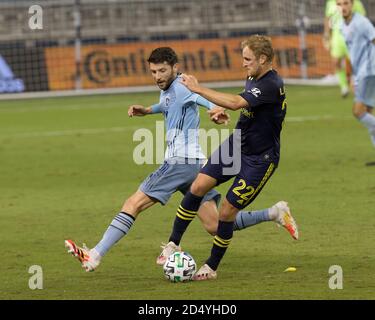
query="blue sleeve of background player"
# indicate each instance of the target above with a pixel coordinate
(368, 30)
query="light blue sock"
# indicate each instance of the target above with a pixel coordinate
(368, 120)
(118, 228)
(246, 219)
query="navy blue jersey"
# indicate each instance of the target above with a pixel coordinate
(261, 121)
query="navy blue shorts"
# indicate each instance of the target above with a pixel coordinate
(249, 178)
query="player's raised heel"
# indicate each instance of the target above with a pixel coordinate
(205, 273)
(168, 249)
(284, 218)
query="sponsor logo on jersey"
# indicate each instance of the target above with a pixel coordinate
(256, 92)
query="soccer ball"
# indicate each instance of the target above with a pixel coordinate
(179, 267)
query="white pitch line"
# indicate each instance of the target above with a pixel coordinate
(152, 88)
(70, 132)
(130, 128)
(72, 107)
(316, 118)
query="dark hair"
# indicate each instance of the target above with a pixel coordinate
(163, 54)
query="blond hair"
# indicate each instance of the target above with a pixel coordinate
(260, 45)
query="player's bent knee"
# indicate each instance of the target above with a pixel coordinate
(358, 113)
(202, 184)
(359, 110)
(199, 189)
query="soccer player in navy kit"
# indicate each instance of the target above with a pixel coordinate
(263, 108)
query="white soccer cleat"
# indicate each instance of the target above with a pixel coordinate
(89, 259)
(284, 218)
(168, 249)
(205, 273)
(345, 92)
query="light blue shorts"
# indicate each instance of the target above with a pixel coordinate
(172, 177)
(365, 91)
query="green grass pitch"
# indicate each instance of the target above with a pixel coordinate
(66, 167)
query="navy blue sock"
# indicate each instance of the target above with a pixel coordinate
(221, 243)
(185, 214)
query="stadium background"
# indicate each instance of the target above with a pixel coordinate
(104, 44)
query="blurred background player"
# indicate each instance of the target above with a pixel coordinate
(183, 160)
(335, 43)
(359, 34)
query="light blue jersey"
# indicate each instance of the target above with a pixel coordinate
(181, 113)
(359, 34)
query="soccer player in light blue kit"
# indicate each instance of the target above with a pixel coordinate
(359, 34)
(183, 161)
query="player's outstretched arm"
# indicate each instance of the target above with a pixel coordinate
(225, 100)
(138, 110)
